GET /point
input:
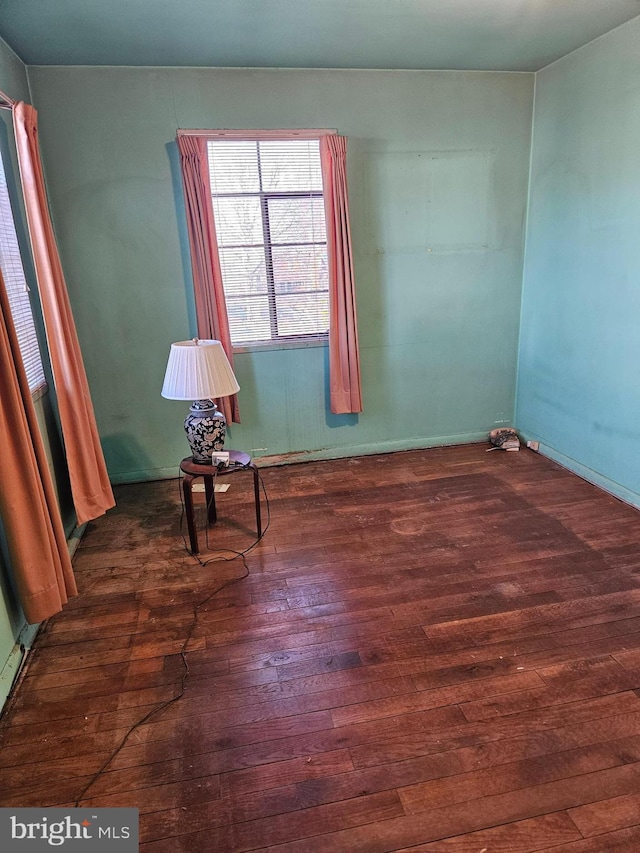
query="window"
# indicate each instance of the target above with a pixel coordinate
(270, 223)
(17, 291)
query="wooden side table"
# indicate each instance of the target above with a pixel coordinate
(191, 470)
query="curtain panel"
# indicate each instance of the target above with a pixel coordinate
(211, 309)
(344, 360)
(90, 487)
(28, 504)
(344, 357)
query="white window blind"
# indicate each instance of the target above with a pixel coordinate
(17, 290)
(269, 214)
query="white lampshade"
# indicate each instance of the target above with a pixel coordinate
(198, 370)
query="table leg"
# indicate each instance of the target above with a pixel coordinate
(210, 494)
(187, 480)
(256, 489)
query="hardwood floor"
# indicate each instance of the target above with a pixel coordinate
(433, 651)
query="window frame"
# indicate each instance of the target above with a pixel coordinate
(21, 304)
(273, 135)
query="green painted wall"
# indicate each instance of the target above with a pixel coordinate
(580, 342)
(13, 81)
(438, 165)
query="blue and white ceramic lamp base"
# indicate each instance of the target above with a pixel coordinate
(206, 428)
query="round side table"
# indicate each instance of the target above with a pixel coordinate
(191, 470)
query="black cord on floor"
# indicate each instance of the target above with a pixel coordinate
(192, 625)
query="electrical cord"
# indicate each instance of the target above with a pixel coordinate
(192, 626)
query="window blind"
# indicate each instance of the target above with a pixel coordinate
(270, 223)
(17, 290)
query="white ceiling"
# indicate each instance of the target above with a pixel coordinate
(513, 35)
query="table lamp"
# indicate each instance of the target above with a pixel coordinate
(199, 370)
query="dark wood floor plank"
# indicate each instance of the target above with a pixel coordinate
(193, 830)
(62, 794)
(49, 774)
(412, 744)
(536, 620)
(181, 795)
(519, 774)
(525, 836)
(544, 650)
(287, 738)
(114, 698)
(433, 651)
(88, 681)
(283, 773)
(250, 705)
(423, 700)
(323, 778)
(623, 841)
(607, 815)
(600, 684)
(473, 759)
(471, 816)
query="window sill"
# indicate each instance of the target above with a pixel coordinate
(39, 392)
(264, 346)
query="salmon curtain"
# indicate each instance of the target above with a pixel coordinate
(28, 504)
(211, 309)
(344, 358)
(91, 490)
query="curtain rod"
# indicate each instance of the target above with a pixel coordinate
(297, 133)
(6, 103)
